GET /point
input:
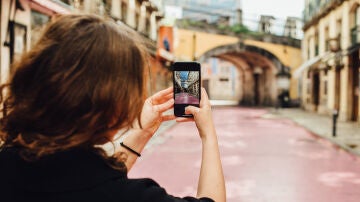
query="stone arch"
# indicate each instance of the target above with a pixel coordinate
(259, 88)
(241, 47)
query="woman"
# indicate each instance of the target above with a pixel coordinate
(79, 85)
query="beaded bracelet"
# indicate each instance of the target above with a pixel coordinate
(129, 149)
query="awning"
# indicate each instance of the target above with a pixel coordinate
(297, 73)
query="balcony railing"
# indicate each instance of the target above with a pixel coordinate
(355, 35)
(316, 9)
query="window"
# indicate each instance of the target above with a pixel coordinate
(123, 12)
(355, 34)
(325, 87)
(38, 22)
(357, 16)
(338, 28)
(316, 43)
(327, 39)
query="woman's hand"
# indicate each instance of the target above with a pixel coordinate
(150, 119)
(202, 116)
(153, 109)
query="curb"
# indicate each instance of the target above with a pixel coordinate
(344, 147)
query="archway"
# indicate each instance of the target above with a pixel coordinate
(258, 70)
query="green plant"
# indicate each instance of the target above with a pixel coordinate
(239, 28)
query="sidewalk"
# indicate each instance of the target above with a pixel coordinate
(347, 134)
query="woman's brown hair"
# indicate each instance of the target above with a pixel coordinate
(83, 78)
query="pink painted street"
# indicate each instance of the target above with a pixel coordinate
(186, 98)
(264, 159)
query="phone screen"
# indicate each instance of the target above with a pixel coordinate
(186, 88)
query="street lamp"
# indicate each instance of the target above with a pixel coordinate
(337, 64)
(283, 81)
(334, 47)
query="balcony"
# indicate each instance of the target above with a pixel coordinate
(355, 35)
(315, 10)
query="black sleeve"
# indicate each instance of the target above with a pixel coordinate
(149, 191)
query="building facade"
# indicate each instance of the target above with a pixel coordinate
(221, 79)
(266, 24)
(22, 22)
(293, 27)
(211, 11)
(330, 48)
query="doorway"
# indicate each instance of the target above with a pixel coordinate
(337, 88)
(316, 90)
(256, 89)
(355, 86)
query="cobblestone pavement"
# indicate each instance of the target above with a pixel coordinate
(266, 158)
(347, 133)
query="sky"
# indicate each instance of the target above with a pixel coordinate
(278, 8)
(252, 9)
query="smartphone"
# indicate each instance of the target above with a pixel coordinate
(187, 86)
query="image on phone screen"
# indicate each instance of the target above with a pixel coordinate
(187, 83)
(186, 87)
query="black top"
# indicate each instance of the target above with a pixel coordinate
(75, 175)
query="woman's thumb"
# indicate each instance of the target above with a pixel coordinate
(191, 110)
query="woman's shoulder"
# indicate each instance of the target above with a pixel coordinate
(84, 176)
(144, 190)
(9, 158)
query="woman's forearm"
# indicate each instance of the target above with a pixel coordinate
(211, 180)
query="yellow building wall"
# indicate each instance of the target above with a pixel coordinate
(287, 55)
(184, 43)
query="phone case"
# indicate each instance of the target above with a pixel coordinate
(187, 86)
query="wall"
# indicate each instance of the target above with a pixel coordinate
(22, 17)
(225, 80)
(184, 46)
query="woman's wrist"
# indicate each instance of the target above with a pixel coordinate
(133, 145)
(137, 139)
(210, 140)
(130, 149)
(208, 133)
